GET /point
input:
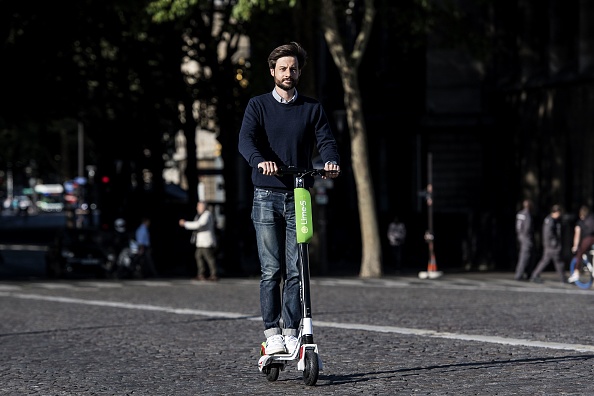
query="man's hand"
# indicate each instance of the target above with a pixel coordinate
(332, 170)
(269, 168)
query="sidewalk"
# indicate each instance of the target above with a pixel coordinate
(549, 278)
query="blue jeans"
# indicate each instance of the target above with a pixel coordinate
(273, 214)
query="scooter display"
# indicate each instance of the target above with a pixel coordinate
(306, 353)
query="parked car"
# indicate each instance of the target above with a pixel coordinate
(80, 251)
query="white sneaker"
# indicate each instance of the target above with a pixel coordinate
(574, 277)
(275, 344)
(291, 343)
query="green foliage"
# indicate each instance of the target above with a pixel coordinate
(243, 10)
(171, 10)
(112, 69)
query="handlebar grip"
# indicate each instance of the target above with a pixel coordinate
(279, 173)
(289, 170)
(301, 171)
(330, 172)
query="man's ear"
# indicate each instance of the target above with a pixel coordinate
(272, 72)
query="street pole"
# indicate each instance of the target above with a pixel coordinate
(432, 272)
(81, 151)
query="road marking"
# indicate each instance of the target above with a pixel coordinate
(336, 325)
(115, 304)
(24, 248)
(54, 286)
(452, 284)
(458, 336)
(500, 285)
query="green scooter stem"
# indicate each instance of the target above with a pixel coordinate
(303, 216)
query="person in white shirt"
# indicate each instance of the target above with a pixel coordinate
(205, 240)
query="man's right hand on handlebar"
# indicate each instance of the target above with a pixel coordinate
(269, 168)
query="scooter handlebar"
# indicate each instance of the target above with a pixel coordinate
(293, 170)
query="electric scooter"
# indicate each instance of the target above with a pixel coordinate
(306, 353)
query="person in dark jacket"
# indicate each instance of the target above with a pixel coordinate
(525, 235)
(583, 239)
(551, 242)
(282, 128)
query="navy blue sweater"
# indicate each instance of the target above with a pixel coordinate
(285, 133)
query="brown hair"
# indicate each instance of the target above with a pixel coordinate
(291, 49)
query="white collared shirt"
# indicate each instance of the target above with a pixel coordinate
(281, 100)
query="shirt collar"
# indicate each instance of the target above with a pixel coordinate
(281, 100)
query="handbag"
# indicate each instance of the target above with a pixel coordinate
(193, 237)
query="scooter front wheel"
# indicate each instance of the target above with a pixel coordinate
(272, 373)
(312, 368)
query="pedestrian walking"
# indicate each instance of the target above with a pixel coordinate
(551, 242)
(525, 236)
(281, 128)
(204, 238)
(143, 239)
(583, 239)
(396, 238)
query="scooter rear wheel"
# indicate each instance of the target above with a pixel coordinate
(312, 368)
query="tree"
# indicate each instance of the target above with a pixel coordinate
(371, 263)
(213, 97)
(110, 70)
(347, 63)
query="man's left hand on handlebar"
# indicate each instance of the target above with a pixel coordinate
(332, 170)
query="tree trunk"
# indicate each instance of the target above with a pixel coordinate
(371, 260)
(371, 263)
(192, 161)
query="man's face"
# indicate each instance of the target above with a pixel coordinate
(286, 73)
